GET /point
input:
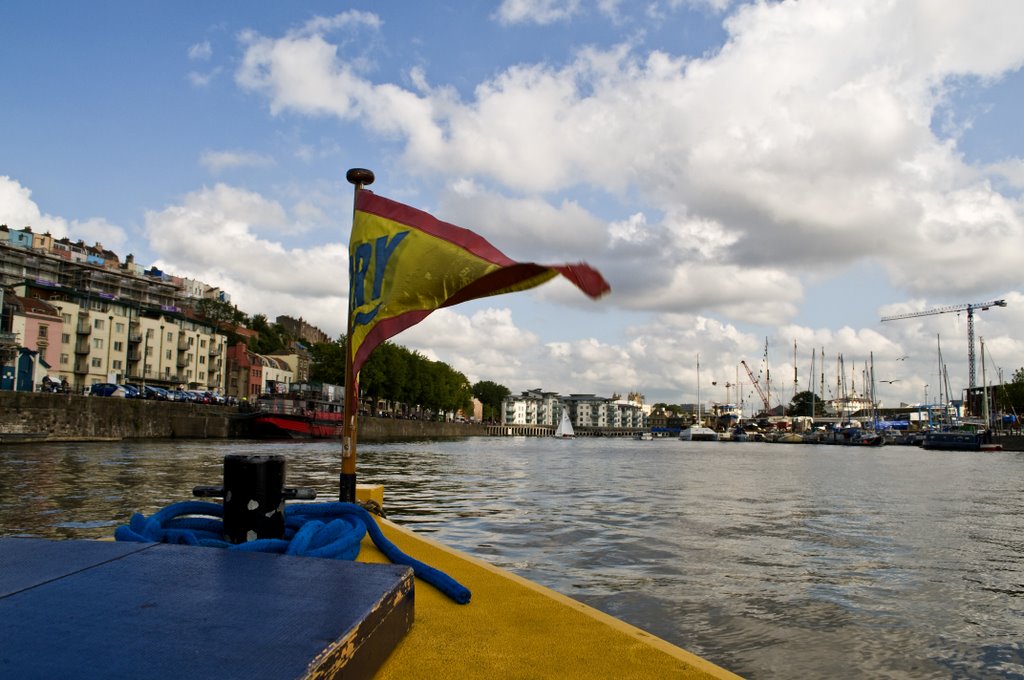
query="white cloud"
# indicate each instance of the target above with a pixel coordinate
(213, 235)
(201, 79)
(18, 210)
(218, 161)
(804, 141)
(536, 11)
(200, 51)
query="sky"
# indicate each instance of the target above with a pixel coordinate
(744, 174)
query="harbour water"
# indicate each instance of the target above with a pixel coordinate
(772, 560)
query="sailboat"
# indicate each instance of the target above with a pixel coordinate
(564, 429)
(698, 432)
(967, 436)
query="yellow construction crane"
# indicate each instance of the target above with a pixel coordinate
(969, 308)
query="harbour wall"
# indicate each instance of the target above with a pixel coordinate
(45, 416)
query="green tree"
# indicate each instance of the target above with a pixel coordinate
(491, 394)
(327, 362)
(220, 312)
(271, 338)
(801, 404)
(1011, 398)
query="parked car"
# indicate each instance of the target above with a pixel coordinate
(107, 390)
(131, 391)
(154, 392)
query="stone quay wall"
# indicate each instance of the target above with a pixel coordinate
(44, 416)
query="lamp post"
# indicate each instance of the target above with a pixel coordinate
(927, 407)
(110, 342)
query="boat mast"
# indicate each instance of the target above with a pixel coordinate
(986, 416)
(811, 381)
(698, 390)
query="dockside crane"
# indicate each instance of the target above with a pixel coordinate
(969, 308)
(757, 386)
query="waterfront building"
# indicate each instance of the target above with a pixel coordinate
(118, 322)
(536, 407)
(298, 361)
(532, 407)
(251, 374)
(92, 338)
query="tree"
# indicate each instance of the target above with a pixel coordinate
(327, 362)
(220, 312)
(491, 394)
(271, 338)
(1010, 399)
(801, 404)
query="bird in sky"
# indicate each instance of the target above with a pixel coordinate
(905, 356)
(890, 381)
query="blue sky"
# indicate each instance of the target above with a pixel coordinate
(790, 170)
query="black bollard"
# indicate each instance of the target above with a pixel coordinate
(254, 496)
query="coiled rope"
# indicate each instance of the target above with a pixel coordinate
(331, 530)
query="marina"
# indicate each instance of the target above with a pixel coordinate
(770, 561)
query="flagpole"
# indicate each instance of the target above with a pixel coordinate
(359, 177)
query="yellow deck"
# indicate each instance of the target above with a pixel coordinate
(514, 628)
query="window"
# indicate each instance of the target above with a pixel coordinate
(202, 376)
(65, 338)
(97, 343)
(149, 351)
(116, 364)
(119, 327)
(148, 368)
(97, 362)
(66, 318)
(202, 343)
(97, 324)
(188, 374)
(65, 359)
(43, 331)
(191, 341)
(149, 333)
(118, 346)
(170, 337)
(168, 355)
(202, 358)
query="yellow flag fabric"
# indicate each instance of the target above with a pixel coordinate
(404, 264)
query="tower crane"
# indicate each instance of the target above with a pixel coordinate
(757, 386)
(969, 307)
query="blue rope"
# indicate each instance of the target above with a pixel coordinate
(331, 530)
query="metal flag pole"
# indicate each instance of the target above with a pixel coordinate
(359, 177)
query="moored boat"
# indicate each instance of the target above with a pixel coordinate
(960, 440)
(564, 429)
(301, 413)
(852, 436)
(698, 433)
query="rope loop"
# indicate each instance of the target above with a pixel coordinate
(330, 530)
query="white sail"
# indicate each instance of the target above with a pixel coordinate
(564, 429)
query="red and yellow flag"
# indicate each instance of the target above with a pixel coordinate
(404, 264)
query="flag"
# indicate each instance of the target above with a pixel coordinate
(404, 264)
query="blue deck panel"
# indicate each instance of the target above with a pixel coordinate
(96, 609)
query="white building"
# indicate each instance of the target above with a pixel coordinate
(536, 407)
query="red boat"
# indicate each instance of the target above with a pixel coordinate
(298, 415)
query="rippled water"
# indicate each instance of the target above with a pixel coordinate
(772, 560)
